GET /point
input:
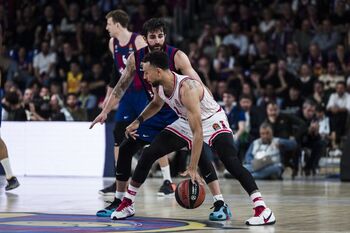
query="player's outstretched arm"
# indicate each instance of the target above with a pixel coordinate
(151, 109)
(118, 90)
(190, 94)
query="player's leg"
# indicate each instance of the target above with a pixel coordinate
(164, 143)
(119, 134)
(127, 149)
(221, 210)
(12, 181)
(167, 188)
(224, 145)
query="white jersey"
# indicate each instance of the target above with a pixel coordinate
(208, 105)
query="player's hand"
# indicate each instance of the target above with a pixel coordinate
(194, 175)
(102, 117)
(131, 130)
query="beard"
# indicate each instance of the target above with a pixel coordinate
(156, 47)
(155, 84)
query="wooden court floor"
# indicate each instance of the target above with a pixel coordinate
(304, 205)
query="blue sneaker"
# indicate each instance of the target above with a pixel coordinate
(221, 212)
(107, 212)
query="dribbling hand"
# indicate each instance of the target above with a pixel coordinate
(131, 130)
(194, 175)
(100, 118)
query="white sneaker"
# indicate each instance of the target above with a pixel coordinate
(125, 209)
(266, 217)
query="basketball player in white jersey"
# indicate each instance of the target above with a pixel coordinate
(200, 119)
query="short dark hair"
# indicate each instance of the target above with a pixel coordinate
(119, 16)
(153, 25)
(158, 59)
(246, 96)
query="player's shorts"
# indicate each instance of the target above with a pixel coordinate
(131, 105)
(150, 128)
(212, 127)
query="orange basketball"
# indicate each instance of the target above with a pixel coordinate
(189, 195)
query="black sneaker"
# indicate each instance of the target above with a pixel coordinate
(107, 212)
(12, 183)
(167, 189)
(108, 191)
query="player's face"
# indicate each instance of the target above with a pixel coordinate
(151, 74)
(155, 40)
(111, 27)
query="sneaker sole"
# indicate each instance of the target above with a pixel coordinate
(11, 188)
(115, 218)
(104, 214)
(165, 195)
(265, 224)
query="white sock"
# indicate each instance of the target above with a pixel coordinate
(218, 198)
(166, 173)
(257, 199)
(6, 165)
(131, 192)
(119, 195)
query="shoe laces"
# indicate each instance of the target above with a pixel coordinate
(217, 205)
(125, 203)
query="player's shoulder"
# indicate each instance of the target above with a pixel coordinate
(140, 42)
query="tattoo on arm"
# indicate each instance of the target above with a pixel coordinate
(125, 79)
(192, 84)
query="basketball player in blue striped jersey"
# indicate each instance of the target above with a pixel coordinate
(121, 45)
(153, 31)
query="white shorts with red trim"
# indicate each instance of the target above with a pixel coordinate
(212, 127)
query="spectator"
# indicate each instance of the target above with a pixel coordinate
(223, 63)
(287, 127)
(341, 58)
(303, 36)
(97, 81)
(264, 62)
(87, 100)
(339, 108)
(237, 40)
(315, 59)
(305, 80)
(264, 156)
(64, 61)
(12, 107)
(207, 73)
(25, 68)
(318, 94)
(73, 79)
(331, 78)
(44, 64)
(293, 103)
(311, 139)
(293, 59)
(267, 24)
(269, 95)
(207, 41)
(326, 38)
(279, 38)
(76, 112)
(235, 116)
(56, 112)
